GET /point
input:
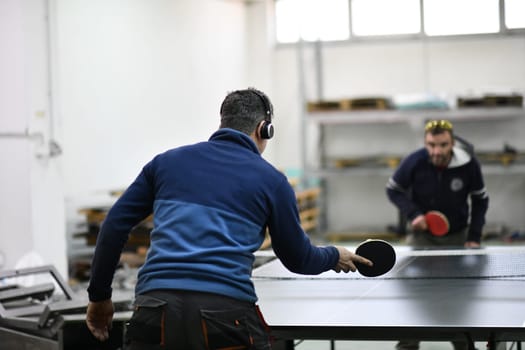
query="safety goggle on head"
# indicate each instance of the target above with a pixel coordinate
(438, 124)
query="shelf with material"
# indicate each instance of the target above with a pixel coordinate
(359, 171)
(416, 117)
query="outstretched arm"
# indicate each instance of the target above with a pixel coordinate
(398, 195)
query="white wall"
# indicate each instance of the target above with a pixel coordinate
(32, 216)
(127, 79)
(137, 77)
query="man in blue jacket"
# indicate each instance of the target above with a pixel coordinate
(211, 204)
(441, 176)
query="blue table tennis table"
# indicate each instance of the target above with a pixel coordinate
(433, 295)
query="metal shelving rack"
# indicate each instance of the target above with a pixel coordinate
(415, 118)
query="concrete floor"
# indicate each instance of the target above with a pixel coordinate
(385, 345)
(364, 345)
(374, 345)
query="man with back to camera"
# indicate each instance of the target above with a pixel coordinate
(441, 176)
(211, 204)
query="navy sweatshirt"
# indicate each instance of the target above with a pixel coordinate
(211, 204)
(417, 186)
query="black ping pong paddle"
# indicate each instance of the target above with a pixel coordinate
(380, 252)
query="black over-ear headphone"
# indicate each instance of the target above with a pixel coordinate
(266, 129)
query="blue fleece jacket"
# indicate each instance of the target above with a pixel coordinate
(417, 186)
(211, 204)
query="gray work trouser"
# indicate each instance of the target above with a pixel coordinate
(185, 320)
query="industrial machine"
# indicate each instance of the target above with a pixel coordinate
(39, 310)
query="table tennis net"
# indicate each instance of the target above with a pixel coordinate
(460, 264)
(435, 264)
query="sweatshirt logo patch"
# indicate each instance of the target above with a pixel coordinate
(456, 184)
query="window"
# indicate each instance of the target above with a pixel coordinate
(311, 20)
(514, 14)
(331, 20)
(452, 17)
(385, 17)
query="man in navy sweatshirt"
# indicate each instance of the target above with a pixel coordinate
(212, 203)
(441, 176)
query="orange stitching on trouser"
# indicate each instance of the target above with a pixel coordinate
(205, 333)
(163, 328)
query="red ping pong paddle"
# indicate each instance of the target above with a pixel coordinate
(380, 252)
(437, 223)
